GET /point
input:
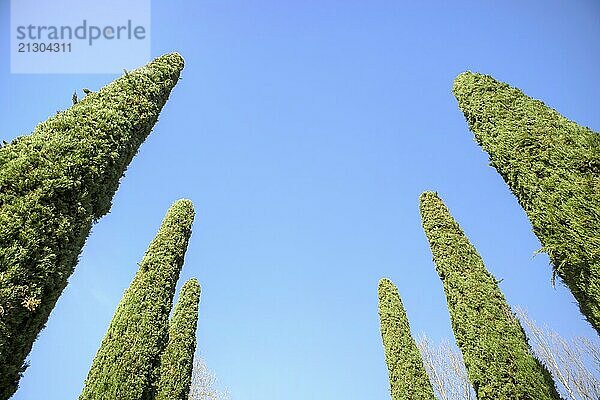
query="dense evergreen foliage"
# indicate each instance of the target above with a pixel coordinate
(129, 355)
(54, 184)
(177, 360)
(408, 378)
(552, 165)
(493, 343)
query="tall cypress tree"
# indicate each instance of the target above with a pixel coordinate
(408, 378)
(177, 360)
(552, 165)
(126, 362)
(54, 184)
(493, 343)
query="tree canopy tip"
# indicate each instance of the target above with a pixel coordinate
(183, 208)
(184, 203)
(429, 196)
(174, 59)
(192, 283)
(385, 282)
(466, 80)
(386, 286)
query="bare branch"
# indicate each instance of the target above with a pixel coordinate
(446, 369)
(204, 383)
(574, 363)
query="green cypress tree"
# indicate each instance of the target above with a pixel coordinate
(54, 184)
(493, 343)
(177, 360)
(408, 378)
(126, 361)
(552, 166)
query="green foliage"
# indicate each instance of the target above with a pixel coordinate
(177, 360)
(493, 343)
(129, 355)
(552, 165)
(408, 379)
(54, 184)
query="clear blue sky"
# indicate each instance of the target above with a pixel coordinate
(304, 133)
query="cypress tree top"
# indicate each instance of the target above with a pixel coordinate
(552, 165)
(177, 361)
(126, 362)
(495, 349)
(408, 378)
(54, 184)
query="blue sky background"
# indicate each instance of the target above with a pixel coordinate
(304, 133)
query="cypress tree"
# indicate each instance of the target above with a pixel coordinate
(130, 351)
(54, 184)
(493, 343)
(177, 360)
(408, 378)
(552, 166)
